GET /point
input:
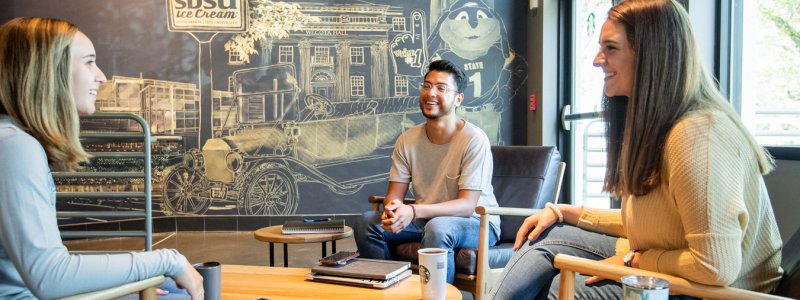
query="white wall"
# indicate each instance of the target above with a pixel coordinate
(703, 16)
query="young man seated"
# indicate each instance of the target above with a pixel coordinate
(449, 162)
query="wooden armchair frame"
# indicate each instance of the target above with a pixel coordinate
(146, 289)
(570, 265)
(485, 276)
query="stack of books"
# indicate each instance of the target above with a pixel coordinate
(302, 227)
(372, 273)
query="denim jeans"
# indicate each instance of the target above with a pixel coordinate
(440, 232)
(530, 273)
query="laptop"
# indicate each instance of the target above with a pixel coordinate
(361, 282)
(364, 268)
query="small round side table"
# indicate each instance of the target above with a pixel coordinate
(272, 234)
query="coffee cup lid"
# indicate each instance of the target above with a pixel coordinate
(645, 282)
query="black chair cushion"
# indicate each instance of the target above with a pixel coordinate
(466, 259)
(790, 283)
(523, 177)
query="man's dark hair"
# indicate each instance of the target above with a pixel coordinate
(449, 67)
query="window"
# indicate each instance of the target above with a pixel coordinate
(398, 24)
(767, 77)
(364, 20)
(286, 54)
(588, 135)
(235, 58)
(357, 55)
(400, 86)
(322, 56)
(357, 86)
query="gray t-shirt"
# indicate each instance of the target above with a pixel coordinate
(438, 172)
(33, 260)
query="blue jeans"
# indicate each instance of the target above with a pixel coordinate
(441, 232)
(530, 273)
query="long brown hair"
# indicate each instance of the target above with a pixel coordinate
(34, 86)
(669, 82)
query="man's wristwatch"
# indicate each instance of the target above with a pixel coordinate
(628, 259)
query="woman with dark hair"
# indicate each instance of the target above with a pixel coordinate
(48, 77)
(694, 204)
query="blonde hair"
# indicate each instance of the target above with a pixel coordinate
(670, 81)
(34, 86)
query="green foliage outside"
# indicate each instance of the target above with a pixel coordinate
(777, 65)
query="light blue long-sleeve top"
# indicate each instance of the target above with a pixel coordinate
(33, 260)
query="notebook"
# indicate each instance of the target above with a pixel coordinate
(365, 268)
(300, 227)
(370, 283)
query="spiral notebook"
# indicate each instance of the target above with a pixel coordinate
(300, 227)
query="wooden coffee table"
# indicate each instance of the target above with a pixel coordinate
(273, 235)
(254, 282)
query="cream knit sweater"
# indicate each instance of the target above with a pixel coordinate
(710, 220)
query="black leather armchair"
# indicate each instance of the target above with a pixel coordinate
(524, 177)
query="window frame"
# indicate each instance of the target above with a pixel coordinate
(357, 86)
(357, 55)
(730, 16)
(285, 54)
(399, 24)
(400, 85)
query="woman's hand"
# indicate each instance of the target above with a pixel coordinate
(192, 282)
(538, 222)
(614, 260)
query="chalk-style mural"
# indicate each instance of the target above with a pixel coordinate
(298, 110)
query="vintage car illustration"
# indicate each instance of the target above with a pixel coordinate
(279, 140)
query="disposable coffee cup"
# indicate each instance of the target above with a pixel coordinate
(433, 272)
(635, 287)
(212, 276)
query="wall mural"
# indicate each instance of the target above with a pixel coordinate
(283, 108)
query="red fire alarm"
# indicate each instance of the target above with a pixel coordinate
(532, 102)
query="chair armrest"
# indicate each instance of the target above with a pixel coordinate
(505, 211)
(571, 264)
(377, 202)
(483, 279)
(376, 199)
(122, 290)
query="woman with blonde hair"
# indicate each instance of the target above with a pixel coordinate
(48, 77)
(694, 203)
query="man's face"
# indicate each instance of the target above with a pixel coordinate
(438, 96)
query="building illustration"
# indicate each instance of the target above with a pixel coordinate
(322, 105)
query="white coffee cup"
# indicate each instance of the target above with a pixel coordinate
(433, 272)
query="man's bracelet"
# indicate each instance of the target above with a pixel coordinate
(555, 210)
(414, 210)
